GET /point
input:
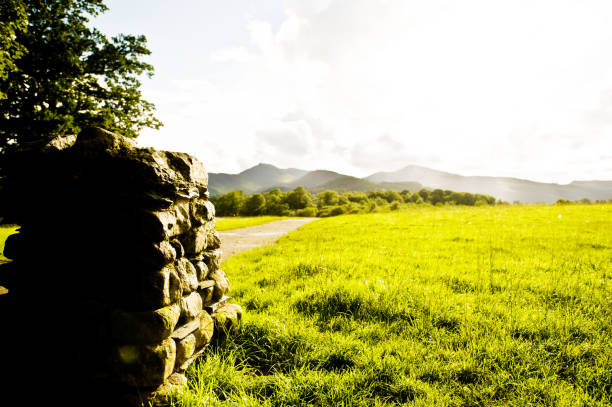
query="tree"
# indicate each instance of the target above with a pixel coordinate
(299, 198)
(254, 205)
(12, 21)
(274, 203)
(392, 196)
(327, 198)
(229, 204)
(71, 76)
(436, 196)
(424, 194)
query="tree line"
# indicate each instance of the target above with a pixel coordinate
(301, 202)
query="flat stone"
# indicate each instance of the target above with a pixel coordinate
(206, 283)
(94, 141)
(161, 174)
(186, 329)
(216, 305)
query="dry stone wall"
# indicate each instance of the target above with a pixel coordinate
(117, 261)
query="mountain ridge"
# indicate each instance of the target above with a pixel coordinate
(264, 177)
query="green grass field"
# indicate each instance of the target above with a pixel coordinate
(490, 306)
(5, 231)
(243, 222)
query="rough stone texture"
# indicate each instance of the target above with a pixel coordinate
(144, 327)
(187, 274)
(207, 295)
(221, 286)
(186, 329)
(202, 211)
(60, 143)
(214, 241)
(227, 319)
(161, 288)
(157, 255)
(163, 394)
(201, 268)
(184, 350)
(145, 365)
(178, 248)
(205, 332)
(212, 258)
(126, 255)
(195, 241)
(191, 306)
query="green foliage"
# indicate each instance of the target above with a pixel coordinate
(5, 232)
(229, 204)
(457, 306)
(13, 20)
(254, 205)
(299, 198)
(70, 75)
(300, 202)
(327, 198)
(309, 212)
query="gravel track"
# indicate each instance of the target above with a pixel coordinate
(239, 240)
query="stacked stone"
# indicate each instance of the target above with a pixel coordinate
(122, 239)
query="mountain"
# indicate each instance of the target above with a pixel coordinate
(505, 188)
(346, 183)
(264, 177)
(255, 179)
(311, 179)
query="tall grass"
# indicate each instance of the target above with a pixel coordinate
(451, 306)
(5, 232)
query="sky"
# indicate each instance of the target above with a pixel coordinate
(518, 88)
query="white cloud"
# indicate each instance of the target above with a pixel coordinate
(234, 54)
(484, 87)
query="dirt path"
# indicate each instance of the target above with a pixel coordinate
(239, 240)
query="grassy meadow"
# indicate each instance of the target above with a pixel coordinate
(5, 231)
(454, 306)
(227, 223)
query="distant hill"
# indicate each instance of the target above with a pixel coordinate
(346, 183)
(311, 180)
(255, 179)
(507, 189)
(264, 177)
